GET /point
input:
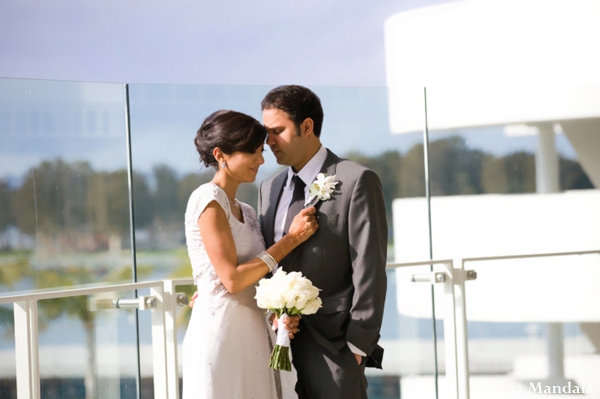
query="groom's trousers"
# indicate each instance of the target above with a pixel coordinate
(324, 375)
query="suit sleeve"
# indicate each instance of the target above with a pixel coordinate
(367, 230)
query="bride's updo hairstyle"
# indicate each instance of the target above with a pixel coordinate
(230, 131)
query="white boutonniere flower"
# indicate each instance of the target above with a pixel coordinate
(322, 188)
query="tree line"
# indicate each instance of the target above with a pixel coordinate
(70, 206)
(456, 169)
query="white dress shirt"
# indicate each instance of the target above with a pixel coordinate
(307, 174)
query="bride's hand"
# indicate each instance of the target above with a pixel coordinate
(193, 299)
(305, 224)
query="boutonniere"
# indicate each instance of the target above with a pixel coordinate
(321, 188)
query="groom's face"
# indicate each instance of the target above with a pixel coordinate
(283, 138)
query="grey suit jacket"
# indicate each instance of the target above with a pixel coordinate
(345, 258)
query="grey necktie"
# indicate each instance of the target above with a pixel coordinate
(296, 204)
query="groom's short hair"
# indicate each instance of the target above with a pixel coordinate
(298, 102)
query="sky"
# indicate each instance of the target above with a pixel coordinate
(317, 43)
(336, 47)
(309, 42)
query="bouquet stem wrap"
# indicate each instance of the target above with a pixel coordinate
(280, 357)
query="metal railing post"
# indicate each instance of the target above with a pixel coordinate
(159, 345)
(448, 304)
(170, 312)
(27, 350)
(462, 347)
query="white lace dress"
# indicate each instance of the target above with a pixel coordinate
(226, 347)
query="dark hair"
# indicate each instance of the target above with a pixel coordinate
(298, 102)
(231, 131)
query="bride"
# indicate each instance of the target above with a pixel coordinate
(227, 346)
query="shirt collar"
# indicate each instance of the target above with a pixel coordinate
(310, 171)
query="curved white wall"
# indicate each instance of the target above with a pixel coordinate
(491, 62)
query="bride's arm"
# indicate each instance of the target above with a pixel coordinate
(220, 247)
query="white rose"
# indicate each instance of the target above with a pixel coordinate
(267, 295)
(312, 307)
(279, 275)
(301, 300)
(288, 291)
(290, 299)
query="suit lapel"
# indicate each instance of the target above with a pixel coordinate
(329, 168)
(274, 195)
(330, 164)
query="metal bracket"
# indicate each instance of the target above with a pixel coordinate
(440, 277)
(433, 277)
(141, 303)
(470, 275)
(182, 299)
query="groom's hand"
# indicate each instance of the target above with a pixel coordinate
(291, 324)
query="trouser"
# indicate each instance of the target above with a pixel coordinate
(324, 375)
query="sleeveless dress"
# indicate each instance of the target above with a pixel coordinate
(227, 345)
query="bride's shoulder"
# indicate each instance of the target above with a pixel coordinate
(205, 194)
(207, 190)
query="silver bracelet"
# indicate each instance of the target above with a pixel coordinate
(268, 259)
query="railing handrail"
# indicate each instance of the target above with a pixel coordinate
(419, 263)
(53, 294)
(524, 256)
(166, 375)
(396, 265)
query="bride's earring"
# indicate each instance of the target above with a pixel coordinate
(224, 165)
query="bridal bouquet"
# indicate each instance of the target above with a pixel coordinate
(286, 294)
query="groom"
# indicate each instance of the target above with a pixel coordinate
(345, 258)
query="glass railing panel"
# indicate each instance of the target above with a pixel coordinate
(8, 381)
(65, 205)
(63, 184)
(166, 166)
(164, 121)
(512, 172)
(412, 352)
(421, 326)
(534, 327)
(166, 117)
(88, 349)
(531, 161)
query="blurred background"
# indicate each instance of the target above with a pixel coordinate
(99, 105)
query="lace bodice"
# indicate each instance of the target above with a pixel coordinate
(246, 235)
